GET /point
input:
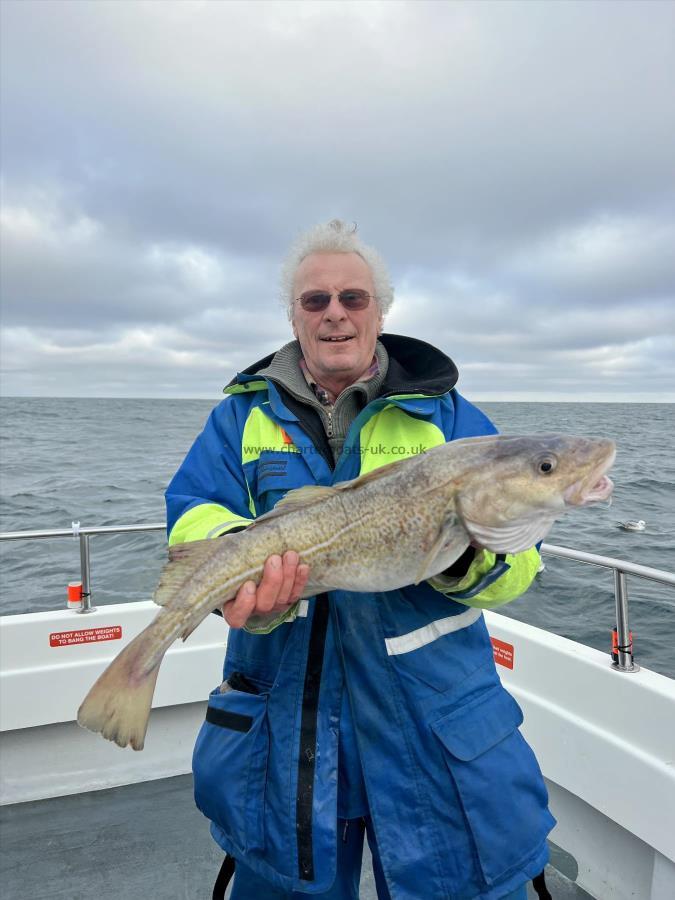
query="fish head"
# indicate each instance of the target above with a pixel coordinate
(509, 498)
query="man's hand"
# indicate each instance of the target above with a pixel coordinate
(282, 584)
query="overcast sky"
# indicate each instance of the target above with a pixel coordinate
(513, 162)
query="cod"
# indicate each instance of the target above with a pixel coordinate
(399, 524)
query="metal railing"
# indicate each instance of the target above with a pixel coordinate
(622, 657)
(623, 646)
(83, 535)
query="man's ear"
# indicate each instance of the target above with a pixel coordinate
(295, 330)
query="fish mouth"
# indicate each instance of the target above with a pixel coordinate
(594, 487)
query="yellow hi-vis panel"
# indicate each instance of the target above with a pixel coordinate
(206, 520)
(524, 566)
(262, 434)
(393, 434)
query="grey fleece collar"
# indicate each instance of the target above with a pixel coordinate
(285, 370)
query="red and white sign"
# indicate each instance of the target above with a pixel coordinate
(85, 636)
(503, 653)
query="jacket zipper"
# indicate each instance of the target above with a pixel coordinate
(307, 751)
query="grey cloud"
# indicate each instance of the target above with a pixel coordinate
(447, 105)
(513, 161)
(67, 270)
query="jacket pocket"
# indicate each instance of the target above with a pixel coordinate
(277, 473)
(229, 765)
(498, 780)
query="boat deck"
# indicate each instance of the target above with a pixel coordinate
(142, 840)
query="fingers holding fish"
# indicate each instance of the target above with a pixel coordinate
(272, 582)
(281, 585)
(294, 580)
(237, 611)
(301, 579)
(273, 596)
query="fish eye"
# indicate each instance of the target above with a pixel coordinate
(546, 464)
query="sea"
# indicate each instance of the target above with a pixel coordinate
(108, 461)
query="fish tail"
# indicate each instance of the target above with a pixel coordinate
(118, 705)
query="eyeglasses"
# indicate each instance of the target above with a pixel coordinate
(352, 299)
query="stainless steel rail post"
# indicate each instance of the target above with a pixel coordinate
(85, 574)
(625, 662)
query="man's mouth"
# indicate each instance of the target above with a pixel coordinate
(337, 338)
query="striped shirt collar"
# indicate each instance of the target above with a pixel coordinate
(322, 394)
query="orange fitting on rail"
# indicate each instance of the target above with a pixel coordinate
(74, 595)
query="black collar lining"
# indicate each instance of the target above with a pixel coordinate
(415, 367)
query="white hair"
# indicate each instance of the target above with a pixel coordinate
(335, 237)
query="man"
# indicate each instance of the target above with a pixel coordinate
(349, 712)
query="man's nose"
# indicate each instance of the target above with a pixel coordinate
(335, 310)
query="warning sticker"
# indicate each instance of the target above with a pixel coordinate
(85, 636)
(503, 653)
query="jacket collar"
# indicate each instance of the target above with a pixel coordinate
(415, 367)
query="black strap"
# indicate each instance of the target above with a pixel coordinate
(539, 885)
(224, 878)
(308, 730)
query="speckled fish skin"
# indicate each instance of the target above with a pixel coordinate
(397, 525)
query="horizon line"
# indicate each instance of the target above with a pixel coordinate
(473, 398)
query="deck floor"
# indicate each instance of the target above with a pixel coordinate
(143, 841)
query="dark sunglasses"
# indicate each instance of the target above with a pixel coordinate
(352, 299)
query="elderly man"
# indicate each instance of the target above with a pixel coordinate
(352, 713)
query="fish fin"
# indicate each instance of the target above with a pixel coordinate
(183, 560)
(375, 474)
(192, 623)
(304, 496)
(308, 495)
(188, 631)
(118, 705)
(193, 550)
(446, 537)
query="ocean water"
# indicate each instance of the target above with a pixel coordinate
(107, 462)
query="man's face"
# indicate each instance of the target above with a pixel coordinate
(336, 364)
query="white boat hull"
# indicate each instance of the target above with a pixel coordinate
(605, 740)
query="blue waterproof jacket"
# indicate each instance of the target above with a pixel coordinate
(456, 797)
